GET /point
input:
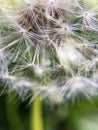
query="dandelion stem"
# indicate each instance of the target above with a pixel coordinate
(36, 115)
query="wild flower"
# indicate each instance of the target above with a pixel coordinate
(49, 48)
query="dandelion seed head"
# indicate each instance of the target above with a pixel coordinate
(49, 48)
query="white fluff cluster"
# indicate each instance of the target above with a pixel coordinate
(49, 48)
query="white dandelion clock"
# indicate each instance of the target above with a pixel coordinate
(49, 48)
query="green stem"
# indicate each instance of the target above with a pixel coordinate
(36, 115)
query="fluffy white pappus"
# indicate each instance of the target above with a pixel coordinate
(67, 30)
(24, 88)
(52, 92)
(3, 64)
(16, 81)
(79, 85)
(89, 18)
(91, 65)
(54, 95)
(69, 55)
(21, 85)
(55, 9)
(95, 77)
(18, 39)
(62, 56)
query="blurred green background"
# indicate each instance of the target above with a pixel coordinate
(15, 114)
